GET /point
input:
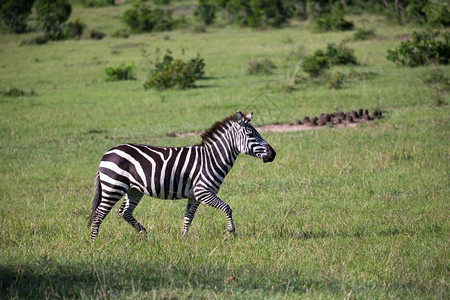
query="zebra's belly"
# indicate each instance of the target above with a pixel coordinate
(171, 195)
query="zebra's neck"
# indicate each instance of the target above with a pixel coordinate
(220, 152)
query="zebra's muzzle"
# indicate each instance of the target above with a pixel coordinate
(269, 155)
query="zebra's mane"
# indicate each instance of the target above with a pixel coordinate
(218, 127)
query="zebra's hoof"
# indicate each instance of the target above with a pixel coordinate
(231, 232)
(143, 233)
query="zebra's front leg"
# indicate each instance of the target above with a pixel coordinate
(189, 215)
(211, 199)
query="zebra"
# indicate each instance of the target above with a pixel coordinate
(193, 172)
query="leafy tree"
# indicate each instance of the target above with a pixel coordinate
(51, 14)
(141, 18)
(14, 14)
(206, 11)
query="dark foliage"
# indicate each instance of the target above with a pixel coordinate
(206, 11)
(122, 72)
(51, 14)
(171, 72)
(14, 14)
(333, 20)
(98, 3)
(141, 18)
(424, 48)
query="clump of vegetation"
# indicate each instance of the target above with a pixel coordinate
(73, 29)
(37, 40)
(96, 34)
(336, 80)
(51, 14)
(431, 13)
(14, 92)
(121, 33)
(424, 48)
(98, 3)
(333, 20)
(14, 14)
(172, 72)
(120, 72)
(316, 64)
(141, 18)
(205, 11)
(363, 34)
(439, 85)
(260, 66)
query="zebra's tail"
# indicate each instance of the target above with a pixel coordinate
(97, 198)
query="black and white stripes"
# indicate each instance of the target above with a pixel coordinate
(194, 172)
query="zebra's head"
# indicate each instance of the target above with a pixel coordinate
(249, 141)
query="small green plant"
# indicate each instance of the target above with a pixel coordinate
(73, 29)
(96, 34)
(335, 80)
(120, 72)
(172, 72)
(98, 3)
(15, 92)
(363, 34)
(424, 48)
(340, 55)
(260, 66)
(121, 33)
(316, 64)
(141, 18)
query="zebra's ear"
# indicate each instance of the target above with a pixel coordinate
(239, 117)
(249, 116)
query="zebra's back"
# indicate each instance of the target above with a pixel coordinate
(160, 172)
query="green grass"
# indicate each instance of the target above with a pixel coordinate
(341, 213)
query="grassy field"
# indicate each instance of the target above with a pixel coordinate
(341, 213)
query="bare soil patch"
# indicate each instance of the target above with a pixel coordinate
(334, 119)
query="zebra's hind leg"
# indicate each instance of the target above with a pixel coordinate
(132, 199)
(106, 204)
(189, 215)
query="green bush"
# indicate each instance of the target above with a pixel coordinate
(315, 64)
(121, 33)
(340, 54)
(15, 92)
(170, 73)
(363, 34)
(335, 80)
(141, 18)
(433, 13)
(51, 14)
(260, 66)
(205, 11)
(14, 14)
(98, 3)
(333, 20)
(423, 48)
(73, 29)
(37, 40)
(120, 72)
(96, 34)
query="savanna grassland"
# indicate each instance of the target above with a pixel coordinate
(349, 213)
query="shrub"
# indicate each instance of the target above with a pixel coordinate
(73, 29)
(423, 48)
(51, 14)
(141, 18)
(38, 40)
(14, 14)
(96, 34)
(172, 72)
(336, 80)
(333, 20)
(205, 11)
(315, 64)
(120, 72)
(15, 92)
(121, 33)
(434, 14)
(260, 66)
(363, 34)
(340, 54)
(98, 3)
